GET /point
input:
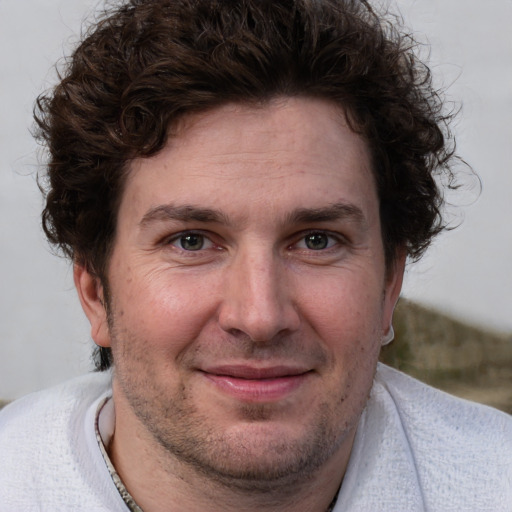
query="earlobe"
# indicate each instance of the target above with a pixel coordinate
(90, 293)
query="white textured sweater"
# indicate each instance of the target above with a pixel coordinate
(416, 449)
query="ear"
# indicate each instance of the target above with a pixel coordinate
(90, 293)
(393, 287)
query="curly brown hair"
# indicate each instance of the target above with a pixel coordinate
(145, 64)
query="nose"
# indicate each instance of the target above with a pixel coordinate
(258, 297)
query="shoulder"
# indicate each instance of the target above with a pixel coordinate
(48, 451)
(458, 447)
(422, 404)
(51, 406)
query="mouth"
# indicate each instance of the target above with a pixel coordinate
(253, 384)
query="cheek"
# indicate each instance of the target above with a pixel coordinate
(345, 315)
(161, 308)
(344, 304)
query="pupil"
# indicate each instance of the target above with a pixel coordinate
(192, 242)
(316, 241)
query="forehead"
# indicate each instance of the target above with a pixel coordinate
(289, 153)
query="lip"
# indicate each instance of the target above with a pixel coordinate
(253, 384)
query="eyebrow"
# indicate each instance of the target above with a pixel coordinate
(183, 213)
(333, 212)
(189, 213)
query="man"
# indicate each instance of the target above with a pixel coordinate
(238, 185)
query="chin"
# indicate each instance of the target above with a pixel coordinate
(258, 453)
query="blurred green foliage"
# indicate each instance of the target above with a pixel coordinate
(468, 361)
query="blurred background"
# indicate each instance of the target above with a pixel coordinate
(467, 274)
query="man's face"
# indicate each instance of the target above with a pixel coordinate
(248, 291)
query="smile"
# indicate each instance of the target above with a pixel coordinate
(260, 385)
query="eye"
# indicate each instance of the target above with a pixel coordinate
(317, 241)
(191, 242)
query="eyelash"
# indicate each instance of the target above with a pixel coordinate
(180, 236)
(333, 240)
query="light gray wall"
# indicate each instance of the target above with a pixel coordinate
(469, 270)
(44, 337)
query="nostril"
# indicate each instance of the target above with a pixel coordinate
(237, 333)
